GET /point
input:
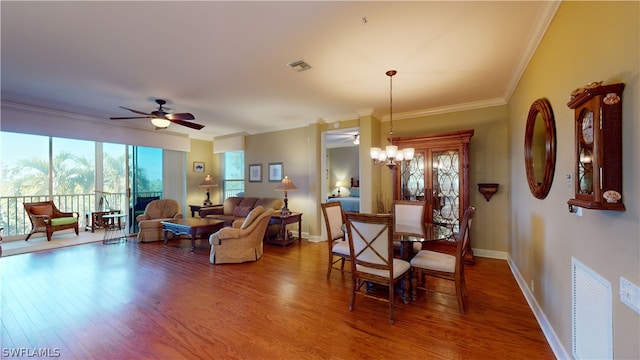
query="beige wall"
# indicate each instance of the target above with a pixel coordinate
(202, 151)
(296, 149)
(586, 41)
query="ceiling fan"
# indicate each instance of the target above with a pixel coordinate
(350, 137)
(161, 119)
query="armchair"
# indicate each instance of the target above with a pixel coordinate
(45, 217)
(150, 221)
(243, 240)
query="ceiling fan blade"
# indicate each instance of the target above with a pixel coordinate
(187, 124)
(135, 111)
(180, 116)
(130, 117)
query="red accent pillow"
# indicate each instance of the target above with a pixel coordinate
(241, 211)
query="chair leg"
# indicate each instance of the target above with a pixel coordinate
(330, 264)
(459, 296)
(342, 265)
(414, 284)
(49, 233)
(352, 301)
(391, 296)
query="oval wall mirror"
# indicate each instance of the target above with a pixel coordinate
(540, 148)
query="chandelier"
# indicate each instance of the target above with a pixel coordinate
(390, 156)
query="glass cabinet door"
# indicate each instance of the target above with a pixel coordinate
(446, 188)
(434, 176)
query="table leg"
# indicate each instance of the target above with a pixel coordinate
(299, 228)
(283, 231)
(164, 232)
(193, 242)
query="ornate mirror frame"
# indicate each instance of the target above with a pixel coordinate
(540, 111)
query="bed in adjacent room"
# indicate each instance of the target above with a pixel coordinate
(351, 202)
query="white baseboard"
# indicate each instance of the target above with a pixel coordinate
(552, 338)
(492, 254)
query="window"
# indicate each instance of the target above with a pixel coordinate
(233, 174)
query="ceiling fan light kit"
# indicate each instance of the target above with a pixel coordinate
(162, 119)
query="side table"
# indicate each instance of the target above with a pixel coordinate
(194, 209)
(283, 220)
(114, 228)
(97, 219)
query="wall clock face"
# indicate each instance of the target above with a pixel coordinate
(587, 127)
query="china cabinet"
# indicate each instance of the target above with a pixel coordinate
(438, 174)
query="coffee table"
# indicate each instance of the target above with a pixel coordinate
(194, 227)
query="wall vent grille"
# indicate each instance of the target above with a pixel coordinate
(592, 323)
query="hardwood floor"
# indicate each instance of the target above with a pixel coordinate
(149, 301)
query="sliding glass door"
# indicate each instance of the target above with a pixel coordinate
(145, 180)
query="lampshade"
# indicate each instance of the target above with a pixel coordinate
(339, 184)
(160, 122)
(286, 185)
(208, 182)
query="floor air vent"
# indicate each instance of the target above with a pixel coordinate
(592, 321)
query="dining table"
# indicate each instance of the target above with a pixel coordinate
(407, 235)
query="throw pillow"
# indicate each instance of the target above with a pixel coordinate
(241, 211)
(354, 192)
(253, 215)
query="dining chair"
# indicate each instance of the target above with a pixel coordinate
(334, 220)
(408, 217)
(445, 266)
(370, 238)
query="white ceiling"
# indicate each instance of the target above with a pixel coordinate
(226, 62)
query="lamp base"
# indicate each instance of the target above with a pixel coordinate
(207, 203)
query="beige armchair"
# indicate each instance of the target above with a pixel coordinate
(155, 212)
(243, 240)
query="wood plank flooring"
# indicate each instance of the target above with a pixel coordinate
(149, 301)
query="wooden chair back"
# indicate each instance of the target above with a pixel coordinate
(335, 220)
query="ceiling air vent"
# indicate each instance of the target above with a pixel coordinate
(299, 66)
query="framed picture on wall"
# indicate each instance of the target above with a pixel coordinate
(255, 173)
(275, 172)
(198, 166)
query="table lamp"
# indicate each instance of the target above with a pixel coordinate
(286, 185)
(208, 183)
(339, 185)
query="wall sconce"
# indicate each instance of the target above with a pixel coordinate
(488, 189)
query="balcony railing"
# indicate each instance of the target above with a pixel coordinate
(16, 222)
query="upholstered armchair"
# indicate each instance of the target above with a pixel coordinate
(243, 240)
(155, 212)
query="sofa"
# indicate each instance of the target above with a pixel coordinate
(238, 207)
(149, 223)
(242, 241)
